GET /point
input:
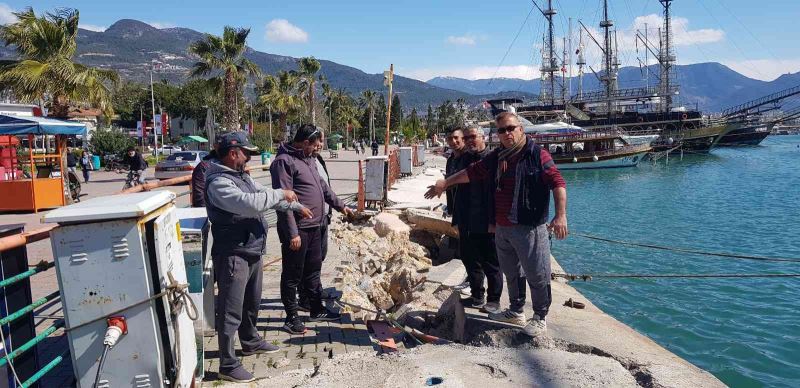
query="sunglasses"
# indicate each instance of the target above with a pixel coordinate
(510, 128)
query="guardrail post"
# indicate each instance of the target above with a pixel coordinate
(361, 194)
(14, 261)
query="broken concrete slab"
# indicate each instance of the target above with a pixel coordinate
(387, 224)
(431, 222)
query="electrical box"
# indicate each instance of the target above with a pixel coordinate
(419, 150)
(377, 180)
(113, 256)
(406, 160)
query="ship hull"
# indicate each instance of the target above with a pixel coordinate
(750, 136)
(631, 159)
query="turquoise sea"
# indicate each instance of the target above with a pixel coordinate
(740, 200)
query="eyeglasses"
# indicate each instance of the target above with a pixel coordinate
(470, 137)
(510, 128)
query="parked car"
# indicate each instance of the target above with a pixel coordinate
(167, 150)
(179, 164)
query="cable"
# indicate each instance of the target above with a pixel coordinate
(686, 250)
(511, 45)
(586, 277)
(100, 366)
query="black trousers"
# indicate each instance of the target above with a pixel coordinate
(304, 299)
(478, 253)
(302, 266)
(238, 300)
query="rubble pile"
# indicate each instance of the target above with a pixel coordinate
(383, 267)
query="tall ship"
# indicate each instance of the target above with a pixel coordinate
(641, 111)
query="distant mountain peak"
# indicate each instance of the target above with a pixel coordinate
(130, 28)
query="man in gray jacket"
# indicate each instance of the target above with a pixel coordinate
(236, 206)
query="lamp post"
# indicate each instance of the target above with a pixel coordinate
(388, 77)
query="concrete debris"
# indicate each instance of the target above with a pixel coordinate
(384, 267)
(431, 221)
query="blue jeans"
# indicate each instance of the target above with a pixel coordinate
(524, 256)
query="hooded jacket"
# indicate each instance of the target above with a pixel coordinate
(293, 170)
(236, 204)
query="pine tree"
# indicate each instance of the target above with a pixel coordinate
(397, 114)
(430, 122)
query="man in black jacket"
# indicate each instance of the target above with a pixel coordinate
(199, 179)
(135, 162)
(476, 240)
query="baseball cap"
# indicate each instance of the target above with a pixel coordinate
(235, 139)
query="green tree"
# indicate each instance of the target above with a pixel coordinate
(430, 122)
(380, 113)
(307, 83)
(45, 46)
(369, 102)
(397, 114)
(223, 58)
(281, 94)
(110, 142)
(413, 129)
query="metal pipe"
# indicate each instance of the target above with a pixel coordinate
(25, 275)
(35, 340)
(21, 312)
(24, 238)
(45, 369)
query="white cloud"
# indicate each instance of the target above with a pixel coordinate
(6, 14)
(475, 72)
(764, 69)
(162, 25)
(464, 40)
(682, 35)
(92, 27)
(281, 31)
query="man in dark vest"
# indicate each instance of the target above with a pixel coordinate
(236, 206)
(523, 174)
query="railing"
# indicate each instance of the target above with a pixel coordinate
(21, 341)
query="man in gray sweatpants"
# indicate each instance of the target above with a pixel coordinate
(523, 174)
(236, 204)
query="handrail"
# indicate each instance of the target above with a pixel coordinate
(25, 238)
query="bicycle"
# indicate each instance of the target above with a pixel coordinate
(132, 179)
(74, 186)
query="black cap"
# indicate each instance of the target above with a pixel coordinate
(235, 139)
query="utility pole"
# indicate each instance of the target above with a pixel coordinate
(153, 103)
(388, 77)
(269, 109)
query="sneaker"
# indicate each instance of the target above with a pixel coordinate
(491, 308)
(325, 315)
(238, 375)
(304, 307)
(463, 285)
(262, 348)
(508, 316)
(536, 327)
(294, 325)
(473, 302)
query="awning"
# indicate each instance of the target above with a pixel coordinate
(19, 125)
(193, 139)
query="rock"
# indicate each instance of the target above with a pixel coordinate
(281, 363)
(378, 295)
(368, 234)
(387, 224)
(402, 285)
(431, 222)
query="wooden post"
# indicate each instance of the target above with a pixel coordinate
(361, 193)
(389, 77)
(32, 173)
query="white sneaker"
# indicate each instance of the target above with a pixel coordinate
(491, 308)
(508, 316)
(536, 327)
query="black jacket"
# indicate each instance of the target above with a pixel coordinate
(135, 163)
(72, 161)
(199, 180)
(472, 200)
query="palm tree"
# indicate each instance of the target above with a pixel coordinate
(369, 101)
(44, 68)
(223, 58)
(281, 94)
(307, 76)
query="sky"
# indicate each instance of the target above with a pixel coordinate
(469, 38)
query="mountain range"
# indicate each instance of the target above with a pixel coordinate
(131, 47)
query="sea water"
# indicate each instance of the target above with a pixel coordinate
(738, 200)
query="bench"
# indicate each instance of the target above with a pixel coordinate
(334, 154)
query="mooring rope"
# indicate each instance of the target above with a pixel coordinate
(687, 250)
(586, 277)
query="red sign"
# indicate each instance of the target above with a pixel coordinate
(164, 125)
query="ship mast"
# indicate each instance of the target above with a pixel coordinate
(549, 61)
(666, 58)
(609, 63)
(581, 63)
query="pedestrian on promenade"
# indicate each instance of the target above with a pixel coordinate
(295, 168)
(236, 204)
(476, 239)
(356, 147)
(135, 161)
(374, 147)
(72, 161)
(86, 164)
(523, 174)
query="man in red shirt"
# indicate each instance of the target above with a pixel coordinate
(523, 174)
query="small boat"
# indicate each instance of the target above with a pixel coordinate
(591, 150)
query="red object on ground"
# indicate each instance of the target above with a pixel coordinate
(384, 334)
